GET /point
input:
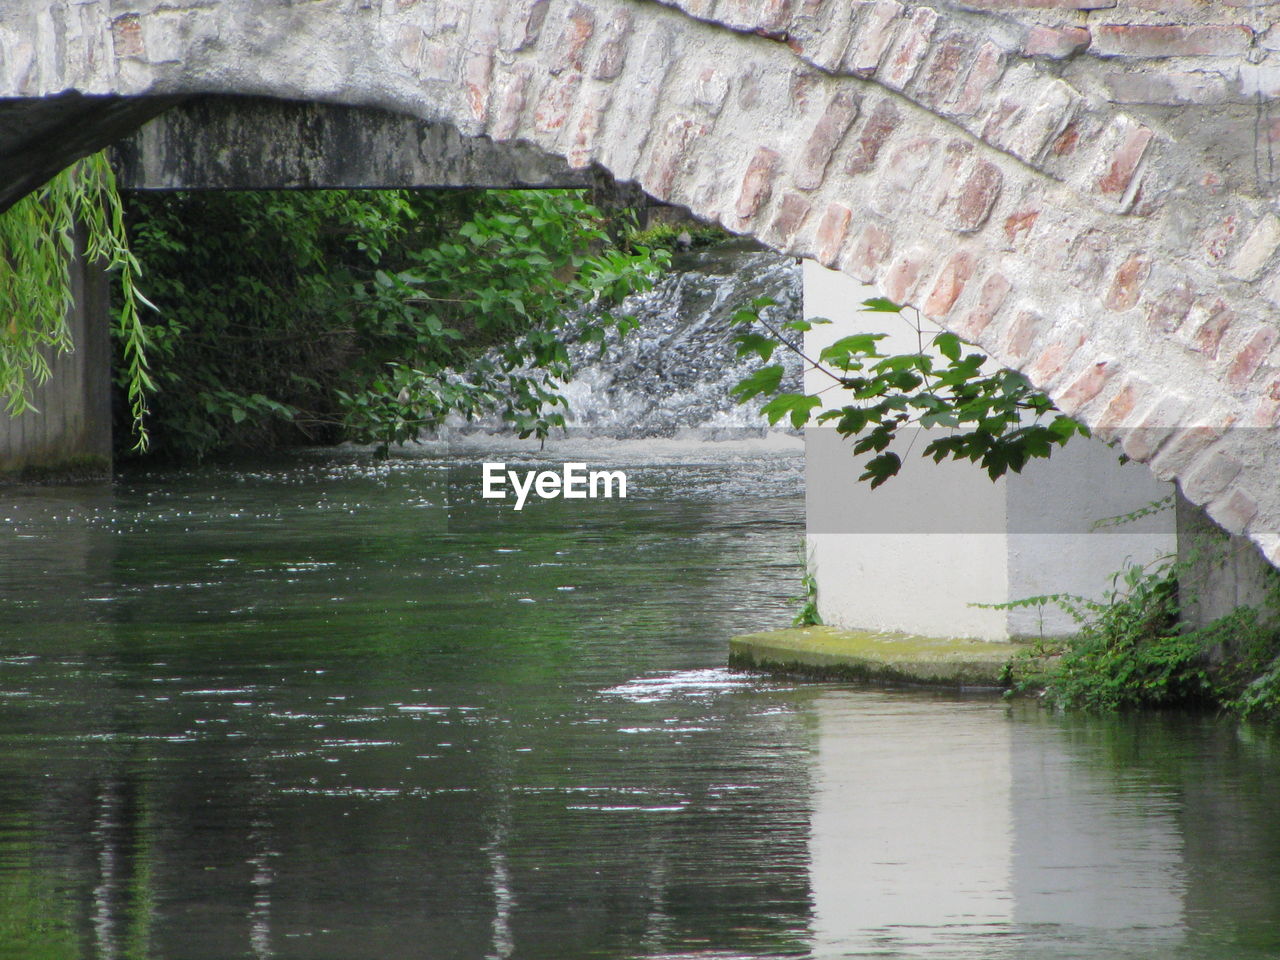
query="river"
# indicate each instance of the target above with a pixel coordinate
(338, 707)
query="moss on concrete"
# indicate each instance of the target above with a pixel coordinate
(876, 656)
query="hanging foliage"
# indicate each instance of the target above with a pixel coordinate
(37, 249)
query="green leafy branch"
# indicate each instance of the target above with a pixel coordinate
(996, 419)
(37, 249)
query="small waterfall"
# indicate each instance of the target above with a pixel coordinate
(673, 373)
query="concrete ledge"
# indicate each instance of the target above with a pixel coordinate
(877, 656)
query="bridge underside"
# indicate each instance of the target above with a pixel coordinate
(258, 143)
(39, 137)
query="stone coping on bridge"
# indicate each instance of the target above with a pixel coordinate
(879, 656)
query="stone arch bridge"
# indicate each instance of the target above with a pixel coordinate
(1086, 188)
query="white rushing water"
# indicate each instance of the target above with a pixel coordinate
(673, 374)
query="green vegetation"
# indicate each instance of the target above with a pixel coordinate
(288, 317)
(1133, 651)
(808, 615)
(315, 316)
(668, 236)
(38, 239)
(997, 419)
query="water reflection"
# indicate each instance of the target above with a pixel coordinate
(954, 828)
(290, 714)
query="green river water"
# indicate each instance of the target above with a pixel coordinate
(341, 708)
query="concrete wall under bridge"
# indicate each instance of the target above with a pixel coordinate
(932, 549)
(68, 433)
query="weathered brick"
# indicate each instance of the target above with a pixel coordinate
(1168, 87)
(949, 285)
(1250, 356)
(1234, 510)
(1214, 320)
(804, 83)
(835, 37)
(901, 176)
(943, 69)
(903, 276)
(1118, 410)
(876, 31)
(1154, 429)
(668, 153)
(407, 46)
(556, 102)
(1170, 308)
(1055, 43)
(510, 104)
(1020, 336)
(523, 23)
(578, 28)
(1064, 144)
(126, 36)
(1162, 40)
(792, 212)
(1020, 222)
(868, 252)
(1085, 387)
(477, 72)
(884, 119)
(710, 88)
(1264, 414)
(942, 185)
(1088, 258)
(582, 148)
(437, 60)
(1209, 476)
(1126, 285)
(1025, 125)
(832, 229)
(983, 74)
(1119, 168)
(1046, 367)
(763, 16)
(1183, 445)
(830, 129)
(757, 182)
(1216, 240)
(968, 207)
(990, 299)
(1252, 257)
(1258, 80)
(612, 54)
(909, 51)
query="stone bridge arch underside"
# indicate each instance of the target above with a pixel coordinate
(987, 161)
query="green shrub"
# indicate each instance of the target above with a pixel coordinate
(1133, 652)
(312, 316)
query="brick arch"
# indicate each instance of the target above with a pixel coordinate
(968, 157)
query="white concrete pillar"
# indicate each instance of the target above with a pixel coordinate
(917, 553)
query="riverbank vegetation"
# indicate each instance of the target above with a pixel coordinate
(1134, 649)
(291, 317)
